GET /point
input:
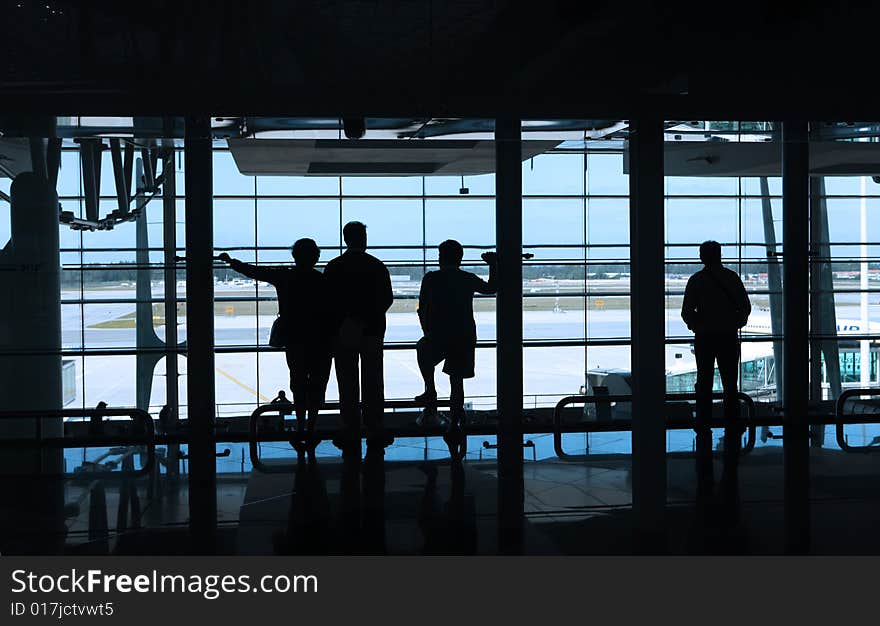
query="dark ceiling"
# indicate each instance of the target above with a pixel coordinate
(702, 60)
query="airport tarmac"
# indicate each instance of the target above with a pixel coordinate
(247, 377)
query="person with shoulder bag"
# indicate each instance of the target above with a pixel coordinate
(301, 328)
(716, 305)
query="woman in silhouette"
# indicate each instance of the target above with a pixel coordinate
(303, 312)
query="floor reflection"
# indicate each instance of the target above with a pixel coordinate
(717, 525)
(358, 525)
(448, 527)
(352, 518)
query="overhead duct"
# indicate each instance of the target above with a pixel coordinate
(15, 156)
(716, 158)
(331, 157)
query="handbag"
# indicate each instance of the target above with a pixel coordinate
(277, 336)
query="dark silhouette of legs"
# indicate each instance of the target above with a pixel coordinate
(319, 375)
(727, 353)
(704, 353)
(299, 379)
(348, 379)
(360, 374)
(373, 386)
(309, 372)
(427, 363)
(455, 437)
(456, 399)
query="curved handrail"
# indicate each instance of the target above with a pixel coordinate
(139, 416)
(286, 408)
(841, 422)
(283, 408)
(626, 424)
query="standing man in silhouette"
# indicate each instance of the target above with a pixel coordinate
(446, 313)
(303, 309)
(360, 287)
(715, 307)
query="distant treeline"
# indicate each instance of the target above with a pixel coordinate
(70, 278)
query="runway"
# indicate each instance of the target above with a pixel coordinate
(248, 377)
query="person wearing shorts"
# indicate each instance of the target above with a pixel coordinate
(446, 314)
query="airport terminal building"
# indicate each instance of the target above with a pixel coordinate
(144, 411)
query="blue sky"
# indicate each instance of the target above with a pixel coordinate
(471, 218)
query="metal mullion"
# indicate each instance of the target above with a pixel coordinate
(257, 288)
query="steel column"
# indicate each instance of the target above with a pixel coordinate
(823, 317)
(509, 354)
(774, 282)
(796, 302)
(200, 332)
(648, 331)
(169, 247)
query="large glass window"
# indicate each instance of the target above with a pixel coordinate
(576, 287)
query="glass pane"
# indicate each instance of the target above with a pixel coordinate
(233, 223)
(553, 174)
(605, 175)
(470, 221)
(228, 181)
(298, 185)
(382, 186)
(281, 222)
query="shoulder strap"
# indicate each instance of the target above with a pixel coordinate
(724, 288)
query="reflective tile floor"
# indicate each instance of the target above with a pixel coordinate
(434, 506)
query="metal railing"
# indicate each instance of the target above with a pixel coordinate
(142, 434)
(623, 425)
(842, 420)
(286, 408)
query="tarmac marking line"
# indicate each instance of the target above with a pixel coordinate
(242, 385)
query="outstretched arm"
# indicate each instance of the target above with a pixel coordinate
(491, 286)
(251, 271)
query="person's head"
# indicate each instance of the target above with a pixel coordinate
(451, 253)
(355, 235)
(710, 253)
(305, 252)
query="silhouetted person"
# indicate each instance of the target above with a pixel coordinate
(303, 308)
(96, 422)
(446, 313)
(715, 307)
(360, 286)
